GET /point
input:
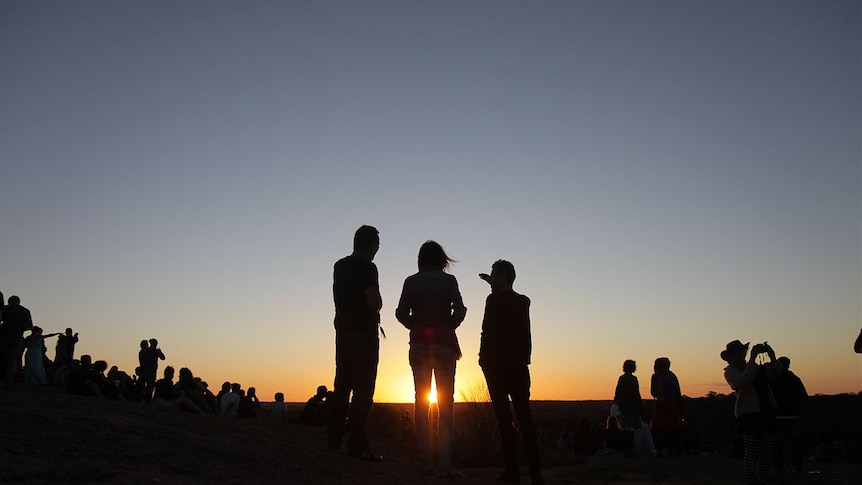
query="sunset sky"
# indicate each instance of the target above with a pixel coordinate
(666, 176)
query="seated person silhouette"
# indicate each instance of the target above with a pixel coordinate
(314, 412)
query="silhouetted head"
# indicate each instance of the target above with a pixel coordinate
(662, 363)
(279, 397)
(612, 423)
(583, 423)
(154, 343)
(629, 366)
(14, 300)
(235, 387)
(186, 374)
(86, 360)
(251, 391)
(785, 361)
(225, 386)
(169, 372)
(36, 330)
(321, 390)
(734, 350)
(144, 344)
(366, 240)
(100, 366)
(68, 332)
(431, 255)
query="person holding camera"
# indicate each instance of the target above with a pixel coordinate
(755, 404)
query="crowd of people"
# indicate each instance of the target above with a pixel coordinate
(87, 377)
(769, 397)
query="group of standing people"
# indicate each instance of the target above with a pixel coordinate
(769, 405)
(664, 430)
(431, 308)
(15, 320)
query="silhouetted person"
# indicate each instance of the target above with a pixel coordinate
(829, 450)
(504, 355)
(97, 382)
(612, 435)
(755, 405)
(247, 404)
(407, 429)
(585, 440)
(431, 307)
(356, 292)
(149, 357)
(667, 409)
(628, 398)
(193, 389)
(16, 321)
(314, 411)
(230, 402)
(123, 383)
(225, 389)
(34, 359)
(65, 349)
(278, 409)
(790, 396)
(76, 378)
(169, 395)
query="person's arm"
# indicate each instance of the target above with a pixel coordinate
(160, 354)
(402, 313)
(373, 298)
(655, 387)
(857, 346)
(459, 311)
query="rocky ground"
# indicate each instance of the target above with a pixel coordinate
(51, 437)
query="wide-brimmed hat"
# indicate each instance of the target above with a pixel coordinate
(733, 348)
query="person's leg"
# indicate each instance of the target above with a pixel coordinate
(529, 437)
(337, 403)
(445, 361)
(364, 375)
(422, 366)
(495, 377)
(795, 445)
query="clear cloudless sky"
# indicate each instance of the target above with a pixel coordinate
(666, 176)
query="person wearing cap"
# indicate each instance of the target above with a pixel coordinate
(755, 404)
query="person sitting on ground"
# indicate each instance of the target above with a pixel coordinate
(230, 401)
(76, 378)
(585, 440)
(97, 382)
(192, 389)
(314, 411)
(247, 404)
(225, 389)
(166, 394)
(208, 396)
(612, 436)
(278, 409)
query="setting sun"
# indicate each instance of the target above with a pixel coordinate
(432, 396)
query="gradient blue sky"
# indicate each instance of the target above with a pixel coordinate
(666, 176)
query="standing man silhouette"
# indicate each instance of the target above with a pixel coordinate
(504, 355)
(356, 291)
(16, 321)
